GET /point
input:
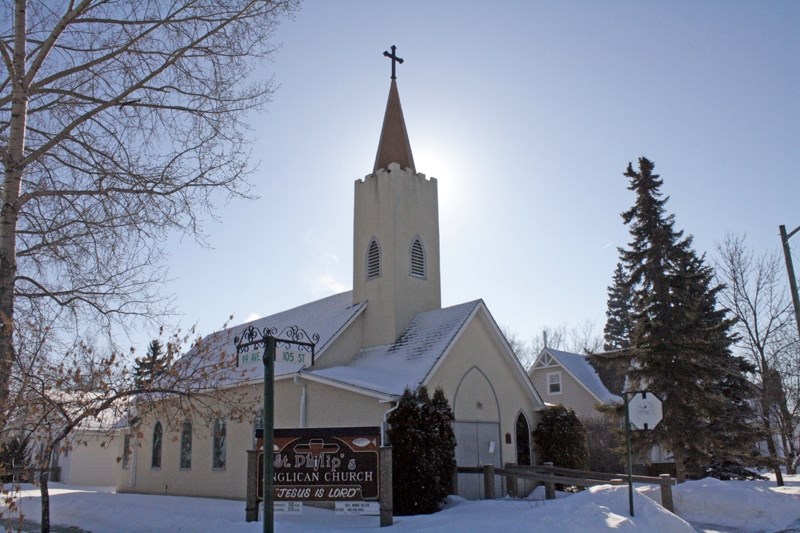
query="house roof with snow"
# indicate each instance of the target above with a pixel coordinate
(578, 367)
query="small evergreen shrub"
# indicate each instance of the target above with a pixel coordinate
(561, 439)
(423, 452)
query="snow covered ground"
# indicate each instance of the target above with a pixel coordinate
(707, 505)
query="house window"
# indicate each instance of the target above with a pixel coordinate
(554, 383)
(126, 451)
(523, 441)
(218, 460)
(373, 259)
(417, 259)
(158, 441)
(186, 445)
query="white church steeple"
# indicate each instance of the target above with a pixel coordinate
(396, 233)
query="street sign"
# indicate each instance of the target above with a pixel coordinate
(645, 410)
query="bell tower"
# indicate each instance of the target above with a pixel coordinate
(396, 233)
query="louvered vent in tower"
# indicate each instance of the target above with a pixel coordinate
(373, 260)
(417, 259)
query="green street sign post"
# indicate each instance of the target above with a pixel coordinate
(250, 339)
(643, 410)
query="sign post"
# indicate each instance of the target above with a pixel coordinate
(643, 410)
(251, 338)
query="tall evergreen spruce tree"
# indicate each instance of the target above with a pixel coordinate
(680, 339)
(423, 452)
(619, 319)
(445, 435)
(612, 366)
(152, 365)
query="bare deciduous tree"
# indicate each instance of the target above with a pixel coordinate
(754, 292)
(57, 396)
(121, 121)
(576, 339)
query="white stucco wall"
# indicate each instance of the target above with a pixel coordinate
(90, 460)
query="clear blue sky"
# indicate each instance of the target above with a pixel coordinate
(527, 113)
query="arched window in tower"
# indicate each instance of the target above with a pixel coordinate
(373, 259)
(523, 441)
(417, 267)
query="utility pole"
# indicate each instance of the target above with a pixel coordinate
(790, 270)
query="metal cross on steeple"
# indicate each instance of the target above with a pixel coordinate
(394, 58)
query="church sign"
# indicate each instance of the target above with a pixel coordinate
(326, 464)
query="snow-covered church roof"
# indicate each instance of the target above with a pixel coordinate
(327, 318)
(384, 371)
(390, 369)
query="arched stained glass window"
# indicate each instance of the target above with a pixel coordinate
(218, 459)
(523, 441)
(373, 259)
(186, 445)
(158, 443)
(417, 266)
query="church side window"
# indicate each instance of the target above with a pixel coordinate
(126, 451)
(373, 259)
(186, 445)
(218, 460)
(523, 441)
(158, 441)
(554, 382)
(417, 259)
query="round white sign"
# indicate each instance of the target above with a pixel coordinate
(644, 410)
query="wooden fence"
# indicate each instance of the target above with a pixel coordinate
(549, 476)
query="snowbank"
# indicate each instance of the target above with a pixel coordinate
(744, 505)
(709, 504)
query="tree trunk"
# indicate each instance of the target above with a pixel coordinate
(773, 453)
(680, 465)
(9, 212)
(43, 478)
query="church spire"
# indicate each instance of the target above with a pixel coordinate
(394, 146)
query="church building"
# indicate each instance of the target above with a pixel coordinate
(388, 334)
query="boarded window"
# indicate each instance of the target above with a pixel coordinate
(158, 442)
(186, 445)
(417, 259)
(373, 260)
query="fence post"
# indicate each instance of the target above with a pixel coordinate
(549, 490)
(666, 493)
(386, 505)
(488, 483)
(511, 483)
(251, 504)
(549, 486)
(454, 487)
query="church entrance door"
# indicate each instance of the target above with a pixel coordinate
(478, 444)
